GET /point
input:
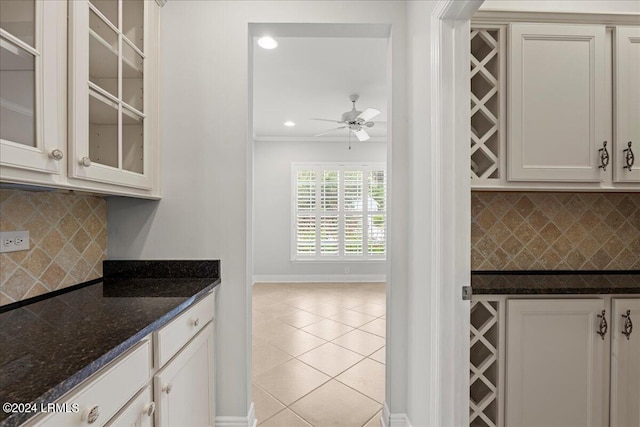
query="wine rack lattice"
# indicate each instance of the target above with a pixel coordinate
(486, 65)
(484, 385)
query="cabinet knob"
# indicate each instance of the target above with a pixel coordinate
(85, 161)
(91, 415)
(149, 409)
(629, 157)
(602, 328)
(628, 324)
(167, 388)
(604, 157)
(196, 322)
(56, 154)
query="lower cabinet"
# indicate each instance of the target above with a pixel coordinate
(138, 413)
(555, 363)
(166, 380)
(184, 387)
(625, 364)
(565, 362)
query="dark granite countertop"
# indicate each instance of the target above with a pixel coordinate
(51, 344)
(555, 282)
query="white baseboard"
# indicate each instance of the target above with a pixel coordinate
(393, 420)
(248, 421)
(318, 278)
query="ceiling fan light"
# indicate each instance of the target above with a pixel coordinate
(267, 42)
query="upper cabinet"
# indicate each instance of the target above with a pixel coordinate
(627, 104)
(29, 55)
(111, 93)
(556, 109)
(555, 101)
(82, 89)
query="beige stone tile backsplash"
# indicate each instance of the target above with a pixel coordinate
(555, 231)
(68, 241)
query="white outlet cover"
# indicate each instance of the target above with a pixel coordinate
(8, 241)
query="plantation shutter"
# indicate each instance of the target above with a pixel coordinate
(339, 212)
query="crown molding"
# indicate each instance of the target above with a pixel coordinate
(506, 16)
(354, 140)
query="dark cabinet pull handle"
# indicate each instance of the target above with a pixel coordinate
(629, 158)
(602, 328)
(604, 157)
(628, 325)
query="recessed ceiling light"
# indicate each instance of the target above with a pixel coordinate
(267, 42)
(289, 124)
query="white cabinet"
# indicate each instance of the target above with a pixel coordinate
(542, 361)
(556, 97)
(101, 397)
(625, 363)
(173, 387)
(30, 59)
(113, 109)
(138, 413)
(626, 167)
(79, 95)
(547, 92)
(184, 388)
(555, 363)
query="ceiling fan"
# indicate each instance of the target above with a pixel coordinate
(354, 120)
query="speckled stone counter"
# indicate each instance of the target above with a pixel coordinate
(49, 345)
(555, 282)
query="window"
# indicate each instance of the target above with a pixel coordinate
(339, 211)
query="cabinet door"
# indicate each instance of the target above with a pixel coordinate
(138, 413)
(555, 360)
(29, 81)
(627, 113)
(625, 364)
(556, 102)
(184, 387)
(112, 48)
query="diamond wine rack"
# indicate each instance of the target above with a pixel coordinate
(487, 100)
(485, 402)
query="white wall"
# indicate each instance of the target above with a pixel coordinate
(580, 6)
(272, 211)
(206, 160)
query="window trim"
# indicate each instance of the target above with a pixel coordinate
(365, 167)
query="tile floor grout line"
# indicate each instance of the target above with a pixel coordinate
(317, 319)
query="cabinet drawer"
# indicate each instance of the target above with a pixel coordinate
(109, 391)
(172, 337)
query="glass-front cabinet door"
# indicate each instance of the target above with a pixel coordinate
(29, 81)
(112, 43)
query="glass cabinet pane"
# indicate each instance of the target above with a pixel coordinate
(18, 17)
(109, 8)
(132, 142)
(133, 21)
(132, 77)
(103, 55)
(103, 131)
(17, 94)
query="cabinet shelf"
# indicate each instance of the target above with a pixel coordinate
(100, 52)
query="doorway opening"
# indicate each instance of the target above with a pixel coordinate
(320, 103)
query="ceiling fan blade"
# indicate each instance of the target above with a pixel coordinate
(361, 134)
(326, 120)
(330, 130)
(368, 114)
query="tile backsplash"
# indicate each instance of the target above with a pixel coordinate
(555, 231)
(68, 241)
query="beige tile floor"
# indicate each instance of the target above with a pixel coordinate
(318, 354)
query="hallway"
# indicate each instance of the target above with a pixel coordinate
(318, 354)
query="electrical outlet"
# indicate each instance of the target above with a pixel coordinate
(13, 241)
